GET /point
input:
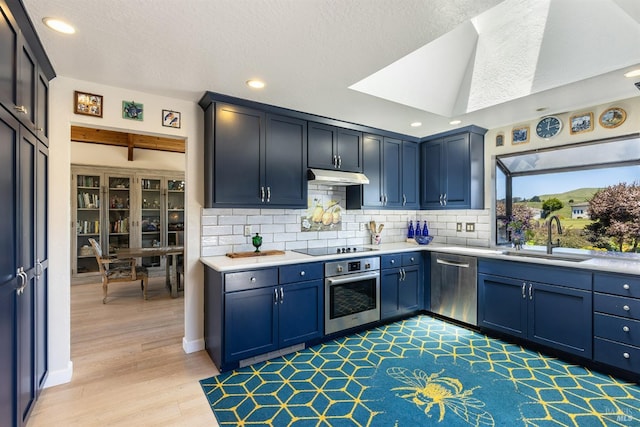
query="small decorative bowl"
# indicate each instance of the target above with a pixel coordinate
(423, 240)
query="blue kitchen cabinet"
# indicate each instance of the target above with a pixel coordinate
(549, 306)
(392, 168)
(331, 147)
(452, 166)
(616, 326)
(253, 312)
(258, 159)
(401, 290)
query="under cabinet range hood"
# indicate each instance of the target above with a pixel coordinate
(334, 177)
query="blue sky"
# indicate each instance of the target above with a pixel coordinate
(534, 185)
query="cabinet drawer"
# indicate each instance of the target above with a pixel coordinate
(615, 354)
(615, 328)
(412, 258)
(250, 279)
(619, 306)
(391, 261)
(619, 284)
(301, 272)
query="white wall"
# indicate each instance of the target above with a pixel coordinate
(62, 153)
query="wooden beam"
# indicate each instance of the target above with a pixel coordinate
(125, 139)
(130, 150)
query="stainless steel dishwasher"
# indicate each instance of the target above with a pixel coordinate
(454, 287)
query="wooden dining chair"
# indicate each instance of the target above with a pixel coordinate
(115, 270)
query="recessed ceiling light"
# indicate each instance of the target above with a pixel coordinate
(632, 73)
(455, 122)
(58, 25)
(255, 84)
(416, 124)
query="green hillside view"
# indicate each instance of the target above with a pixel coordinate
(568, 197)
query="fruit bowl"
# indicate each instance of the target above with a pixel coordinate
(423, 240)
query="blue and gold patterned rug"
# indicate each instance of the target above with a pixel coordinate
(421, 371)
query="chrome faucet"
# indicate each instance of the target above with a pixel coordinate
(551, 245)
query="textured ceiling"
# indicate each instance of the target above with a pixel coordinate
(310, 52)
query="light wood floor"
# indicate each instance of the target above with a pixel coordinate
(129, 368)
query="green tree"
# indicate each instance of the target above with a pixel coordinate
(535, 199)
(551, 205)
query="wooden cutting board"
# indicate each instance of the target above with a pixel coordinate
(250, 254)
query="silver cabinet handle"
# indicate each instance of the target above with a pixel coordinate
(39, 268)
(335, 161)
(404, 274)
(625, 328)
(626, 355)
(339, 162)
(441, 200)
(268, 194)
(275, 295)
(625, 286)
(445, 199)
(281, 295)
(530, 291)
(262, 194)
(21, 109)
(524, 295)
(626, 308)
(404, 199)
(23, 280)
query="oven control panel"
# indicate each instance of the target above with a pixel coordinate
(338, 268)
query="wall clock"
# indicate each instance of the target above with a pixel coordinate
(548, 127)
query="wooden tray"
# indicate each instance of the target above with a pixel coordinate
(250, 254)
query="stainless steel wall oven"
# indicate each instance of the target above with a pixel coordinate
(352, 293)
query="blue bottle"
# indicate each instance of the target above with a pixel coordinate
(418, 231)
(411, 232)
(425, 229)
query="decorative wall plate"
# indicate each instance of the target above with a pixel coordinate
(612, 117)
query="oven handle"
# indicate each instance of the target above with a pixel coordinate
(352, 278)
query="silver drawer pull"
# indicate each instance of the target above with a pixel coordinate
(393, 261)
(626, 355)
(253, 279)
(302, 273)
(412, 259)
(625, 328)
(625, 286)
(625, 308)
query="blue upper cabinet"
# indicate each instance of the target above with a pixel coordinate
(259, 159)
(331, 147)
(392, 168)
(453, 170)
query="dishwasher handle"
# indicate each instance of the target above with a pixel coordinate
(452, 263)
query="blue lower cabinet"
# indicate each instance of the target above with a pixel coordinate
(400, 287)
(267, 317)
(558, 317)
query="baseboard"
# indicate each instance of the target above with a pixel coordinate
(192, 346)
(61, 376)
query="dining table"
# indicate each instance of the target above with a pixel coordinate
(169, 252)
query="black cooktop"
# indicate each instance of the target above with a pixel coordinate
(334, 250)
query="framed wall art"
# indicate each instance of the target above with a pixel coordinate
(520, 135)
(88, 104)
(580, 123)
(171, 119)
(132, 110)
(612, 117)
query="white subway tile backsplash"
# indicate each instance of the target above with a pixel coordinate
(223, 229)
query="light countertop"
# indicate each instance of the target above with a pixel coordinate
(595, 261)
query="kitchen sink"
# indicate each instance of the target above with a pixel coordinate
(542, 255)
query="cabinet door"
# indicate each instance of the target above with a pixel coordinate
(372, 193)
(561, 318)
(455, 178)
(87, 205)
(349, 150)
(392, 172)
(175, 212)
(320, 143)
(502, 305)
(42, 267)
(389, 283)
(42, 108)
(410, 168)
(409, 290)
(151, 217)
(239, 148)
(301, 311)
(26, 85)
(119, 202)
(432, 172)
(285, 162)
(8, 52)
(250, 323)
